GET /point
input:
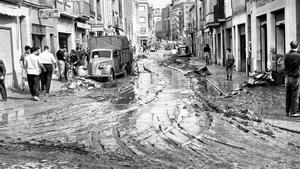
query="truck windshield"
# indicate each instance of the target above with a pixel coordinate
(101, 54)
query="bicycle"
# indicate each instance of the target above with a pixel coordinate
(71, 70)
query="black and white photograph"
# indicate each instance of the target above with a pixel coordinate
(149, 84)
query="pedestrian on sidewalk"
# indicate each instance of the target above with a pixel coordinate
(60, 54)
(2, 82)
(22, 58)
(48, 60)
(229, 62)
(33, 68)
(292, 64)
(206, 51)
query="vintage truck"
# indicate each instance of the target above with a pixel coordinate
(110, 56)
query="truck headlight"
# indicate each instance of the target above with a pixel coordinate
(101, 67)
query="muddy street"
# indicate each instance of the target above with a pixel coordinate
(158, 119)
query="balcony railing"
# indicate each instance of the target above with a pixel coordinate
(82, 9)
(219, 11)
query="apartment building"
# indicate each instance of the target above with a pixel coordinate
(142, 22)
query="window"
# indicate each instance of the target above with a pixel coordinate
(142, 8)
(143, 31)
(142, 20)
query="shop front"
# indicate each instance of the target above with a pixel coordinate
(66, 31)
(10, 44)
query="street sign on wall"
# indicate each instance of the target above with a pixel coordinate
(49, 13)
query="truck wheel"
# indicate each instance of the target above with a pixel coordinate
(111, 76)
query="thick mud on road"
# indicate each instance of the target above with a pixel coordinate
(159, 119)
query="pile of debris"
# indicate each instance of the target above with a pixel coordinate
(141, 56)
(259, 79)
(80, 82)
(202, 72)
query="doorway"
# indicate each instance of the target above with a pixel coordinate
(263, 46)
(63, 39)
(52, 44)
(243, 52)
(37, 40)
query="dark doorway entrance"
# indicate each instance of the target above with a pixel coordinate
(63, 40)
(243, 53)
(264, 55)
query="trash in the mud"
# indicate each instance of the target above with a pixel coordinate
(243, 114)
(141, 56)
(259, 79)
(82, 82)
(203, 71)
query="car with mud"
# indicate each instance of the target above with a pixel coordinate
(110, 56)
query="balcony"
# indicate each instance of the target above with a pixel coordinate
(219, 11)
(82, 9)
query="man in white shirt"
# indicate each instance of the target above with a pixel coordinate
(33, 68)
(47, 59)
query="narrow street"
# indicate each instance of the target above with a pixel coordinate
(159, 119)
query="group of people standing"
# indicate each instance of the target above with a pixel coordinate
(78, 57)
(39, 68)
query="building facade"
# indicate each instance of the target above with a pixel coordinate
(251, 28)
(142, 22)
(58, 23)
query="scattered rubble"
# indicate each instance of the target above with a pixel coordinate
(81, 82)
(203, 71)
(259, 79)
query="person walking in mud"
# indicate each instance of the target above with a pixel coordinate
(24, 74)
(292, 64)
(229, 62)
(2, 82)
(33, 68)
(206, 51)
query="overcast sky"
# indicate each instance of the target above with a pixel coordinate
(159, 3)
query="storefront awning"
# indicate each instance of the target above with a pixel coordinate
(11, 10)
(65, 14)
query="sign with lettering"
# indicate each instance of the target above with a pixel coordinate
(49, 13)
(97, 27)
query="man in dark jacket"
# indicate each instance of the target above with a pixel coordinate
(60, 54)
(292, 64)
(2, 82)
